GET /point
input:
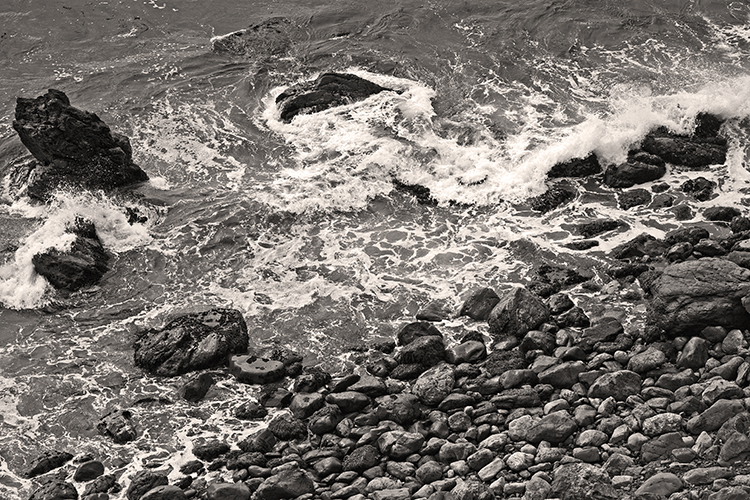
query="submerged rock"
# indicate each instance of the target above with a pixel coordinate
(72, 147)
(554, 197)
(691, 295)
(48, 461)
(272, 37)
(326, 91)
(82, 265)
(192, 342)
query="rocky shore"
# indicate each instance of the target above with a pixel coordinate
(549, 404)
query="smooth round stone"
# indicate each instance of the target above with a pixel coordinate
(88, 471)
(661, 484)
(170, 492)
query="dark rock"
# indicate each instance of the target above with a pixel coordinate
(348, 401)
(740, 224)
(273, 396)
(574, 318)
(694, 294)
(536, 340)
(271, 37)
(661, 446)
(82, 265)
(563, 375)
(581, 481)
(628, 174)
(427, 351)
(471, 351)
(554, 197)
(694, 152)
(286, 484)
(581, 245)
(117, 425)
(407, 371)
(210, 450)
(435, 384)
(311, 379)
(411, 331)
(167, 492)
(709, 248)
(262, 441)
(196, 388)
(725, 214)
(142, 482)
(361, 459)
(559, 277)
(73, 147)
(605, 329)
(499, 362)
(643, 244)
(437, 310)
(597, 227)
(679, 252)
(694, 354)
(619, 384)
(517, 312)
(577, 167)
(662, 201)
(421, 193)
(47, 461)
(192, 342)
(699, 188)
(633, 198)
(370, 386)
(101, 484)
(325, 419)
(691, 235)
(559, 303)
(626, 269)
(304, 404)
(714, 417)
(554, 428)
(88, 471)
(400, 444)
(55, 490)
(643, 157)
(327, 91)
(479, 305)
(287, 427)
(521, 397)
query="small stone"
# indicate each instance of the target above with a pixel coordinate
(255, 370)
(706, 475)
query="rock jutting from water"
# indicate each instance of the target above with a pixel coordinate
(72, 148)
(326, 91)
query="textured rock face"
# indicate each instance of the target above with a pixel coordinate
(83, 265)
(691, 295)
(272, 37)
(72, 147)
(517, 312)
(192, 342)
(582, 482)
(327, 91)
(628, 174)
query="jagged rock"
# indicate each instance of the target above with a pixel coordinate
(404, 408)
(725, 214)
(361, 458)
(72, 147)
(287, 427)
(692, 235)
(271, 37)
(597, 227)
(411, 331)
(311, 379)
(421, 193)
(118, 425)
(554, 197)
(633, 198)
(694, 294)
(144, 481)
(304, 404)
(262, 441)
(694, 355)
(740, 224)
(325, 419)
(577, 167)
(82, 265)
(192, 342)
(400, 444)
(714, 417)
(48, 461)
(661, 446)
(643, 244)
(517, 312)
(437, 310)
(701, 149)
(327, 91)
(55, 490)
(628, 174)
(619, 385)
(288, 483)
(427, 351)
(582, 482)
(605, 329)
(435, 384)
(348, 401)
(479, 304)
(499, 362)
(210, 450)
(699, 188)
(101, 484)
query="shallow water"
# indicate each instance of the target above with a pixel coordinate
(298, 225)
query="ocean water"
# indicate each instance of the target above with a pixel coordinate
(298, 225)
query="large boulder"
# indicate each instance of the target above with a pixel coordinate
(192, 342)
(576, 167)
(83, 264)
(630, 173)
(691, 295)
(518, 311)
(703, 148)
(72, 147)
(326, 91)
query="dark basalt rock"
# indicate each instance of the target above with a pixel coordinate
(724, 214)
(55, 490)
(421, 193)
(632, 172)
(272, 37)
(691, 295)
(254, 370)
(692, 235)
(556, 196)
(517, 312)
(411, 331)
(72, 147)
(633, 198)
(118, 425)
(196, 388)
(643, 244)
(597, 227)
(48, 461)
(699, 188)
(192, 342)
(83, 265)
(577, 167)
(327, 91)
(142, 482)
(479, 304)
(705, 147)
